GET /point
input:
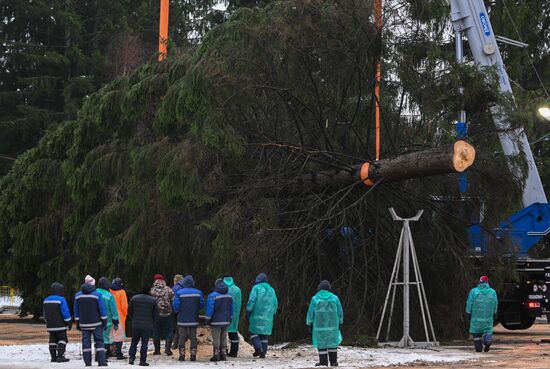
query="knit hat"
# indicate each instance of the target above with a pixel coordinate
(484, 279)
(324, 285)
(158, 276)
(89, 280)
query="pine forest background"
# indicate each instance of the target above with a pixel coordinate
(114, 164)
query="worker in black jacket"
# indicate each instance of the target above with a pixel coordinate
(58, 320)
(143, 311)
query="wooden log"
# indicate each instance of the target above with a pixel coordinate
(451, 158)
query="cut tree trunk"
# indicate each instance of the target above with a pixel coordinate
(451, 158)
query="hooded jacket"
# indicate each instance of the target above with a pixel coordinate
(325, 315)
(235, 292)
(187, 303)
(219, 306)
(261, 307)
(178, 286)
(164, 296)
(482, 304)
(90, 311)
(110, 304)
(121, 300)
(56, 310)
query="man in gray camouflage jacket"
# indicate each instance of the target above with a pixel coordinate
(164, 325)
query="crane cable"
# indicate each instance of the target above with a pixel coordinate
(378, 25)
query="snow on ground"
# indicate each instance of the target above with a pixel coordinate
(37, 356)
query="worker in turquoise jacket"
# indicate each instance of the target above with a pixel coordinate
(260, 311)
(112, 313)
(233, 330)
(481, 309)
(324, 318)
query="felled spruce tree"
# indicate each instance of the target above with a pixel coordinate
(182, 168)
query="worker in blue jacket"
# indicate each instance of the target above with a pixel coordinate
(219, 308)
(187, 303)
(90, 314)
(58, 320)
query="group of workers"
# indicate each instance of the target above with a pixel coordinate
(100, 314)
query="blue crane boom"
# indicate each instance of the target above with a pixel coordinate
(527, 226)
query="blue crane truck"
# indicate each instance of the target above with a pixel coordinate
(520, 303)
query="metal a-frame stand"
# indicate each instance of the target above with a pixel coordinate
(406, 252)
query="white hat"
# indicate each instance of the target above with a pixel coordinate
(89, 280)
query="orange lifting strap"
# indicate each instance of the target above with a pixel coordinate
(163, 29)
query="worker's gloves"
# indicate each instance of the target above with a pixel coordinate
(70, 325)
(115, 325)
(77, 325)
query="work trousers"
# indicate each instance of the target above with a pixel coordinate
(164, 328)
(219, 338)
(259, 341)
(176, 334)
(234, 341)
(57, 343)
(186, 333)
(482, 339)
(139, 334)
(97, 334)
(328, 354)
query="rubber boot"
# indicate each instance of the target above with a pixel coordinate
(234, 344)
(223, 354)
(119, 355)
(167, 347)
(193, 354)
(107, 351)
(215, 356)
(323, 358)
(61, 353)
(264, 346)
(487, 338)
(333, 357)
(182, 354)
(255, 340)
(156, 343)
(53, 352)
(478, 343)
(176, 339)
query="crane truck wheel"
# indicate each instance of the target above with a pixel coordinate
(525, 323)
